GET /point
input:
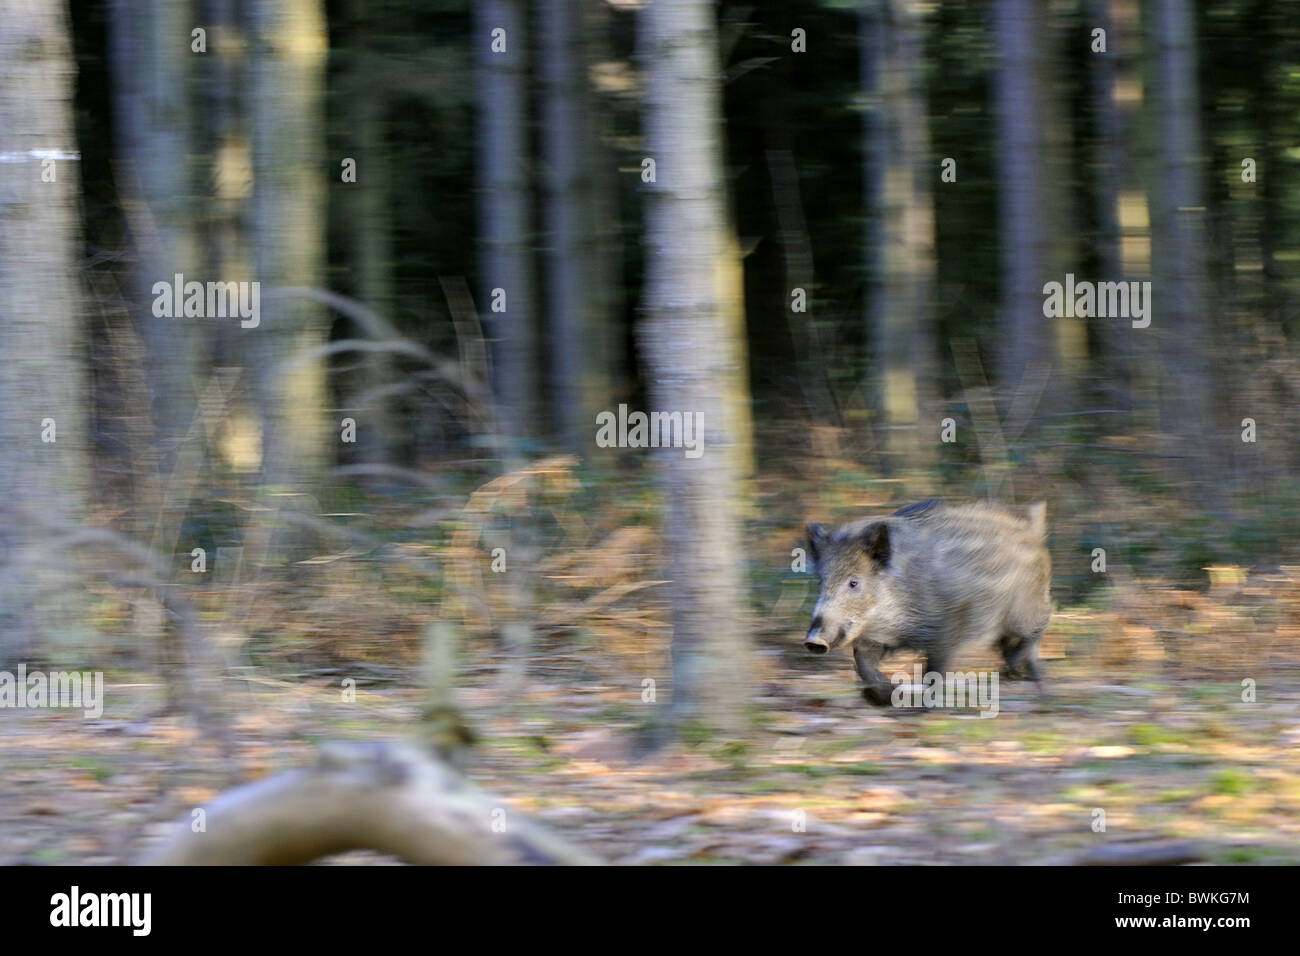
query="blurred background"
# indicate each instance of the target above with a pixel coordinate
(828, 228)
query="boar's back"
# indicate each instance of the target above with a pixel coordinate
(920, 508)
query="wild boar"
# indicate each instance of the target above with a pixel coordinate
(933, 577)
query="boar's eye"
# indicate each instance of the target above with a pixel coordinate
(853, 584)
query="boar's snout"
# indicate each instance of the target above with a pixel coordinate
(814, 642)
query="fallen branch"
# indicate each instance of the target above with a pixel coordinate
(363, 796)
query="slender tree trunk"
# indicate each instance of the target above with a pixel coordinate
(606, 373)
(1178, 230)
(228, 247)
(1113, 164)
(693, 352)
(1067, 335)
(45, 464)
(1025, 334)
(151, 71)
(1271, 116)
(372, 253)
(1134, 208)
(563, 137)
(288, 227)
(505, 226)
(508, 290)
(902, 266)
(154, 73)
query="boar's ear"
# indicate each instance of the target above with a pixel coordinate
(875, 543)
(816, 538)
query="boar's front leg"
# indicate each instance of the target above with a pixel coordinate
(866, 655)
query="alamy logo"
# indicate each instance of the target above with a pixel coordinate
(655, 430)
(58, 689)
(976, 689)
(216, 300)
(103, 909)
(1102, 300)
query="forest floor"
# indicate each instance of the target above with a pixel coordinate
(1179, 766)
(1149, 749)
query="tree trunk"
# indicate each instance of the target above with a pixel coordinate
(1114, 171)
(372, 254)
(564, 136)
(43, 377)
(151, 68)
(695, 356)
(902, 266)
(288, 228)
(150, 71)
(605, 333)
(1067, 335)
(505, 224)
(1025, 334)
(1178, 232)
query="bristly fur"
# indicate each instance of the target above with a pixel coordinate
(933, 577)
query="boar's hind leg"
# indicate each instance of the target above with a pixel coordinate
(866, 655)
(1022, 658)
(1011, 645)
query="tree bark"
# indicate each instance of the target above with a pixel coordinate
(606, 367)
(43, 377)
(372, 255)
(151, 73)
(902, 266)
(1114, 172)
(567, 292)
(695, 354)
(1178, 232)
(287, 69)
(505, 223)
(1025, 334)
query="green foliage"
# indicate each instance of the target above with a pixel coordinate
(1149, 735)
(1231, 782)
(834, 769)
